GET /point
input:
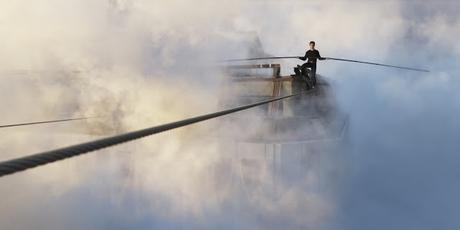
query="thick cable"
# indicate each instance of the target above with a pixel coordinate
(31, 161)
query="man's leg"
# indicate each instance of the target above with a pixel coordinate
(304, 67)
(311, 81)
(313, 76)
(304, 74)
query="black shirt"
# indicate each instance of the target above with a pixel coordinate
(312, 56)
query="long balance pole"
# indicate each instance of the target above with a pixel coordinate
(331, 58)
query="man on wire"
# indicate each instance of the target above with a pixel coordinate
(312, 55)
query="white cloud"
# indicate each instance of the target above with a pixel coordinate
(151, 62)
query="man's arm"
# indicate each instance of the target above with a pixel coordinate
(320, 58)
(304, 57)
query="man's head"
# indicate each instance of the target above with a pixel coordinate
(312, 45)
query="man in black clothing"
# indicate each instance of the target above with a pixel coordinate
(312, 55)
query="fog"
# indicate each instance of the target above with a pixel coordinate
(142, 63)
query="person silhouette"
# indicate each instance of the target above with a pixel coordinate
(312, 55)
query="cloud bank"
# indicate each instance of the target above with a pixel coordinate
(142, 63)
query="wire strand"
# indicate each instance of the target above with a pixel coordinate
(45, 122)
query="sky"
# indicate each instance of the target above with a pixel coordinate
(144, 63)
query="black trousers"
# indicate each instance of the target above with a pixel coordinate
(312, 66)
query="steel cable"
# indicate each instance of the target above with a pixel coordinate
(31, 161)
(45, 122)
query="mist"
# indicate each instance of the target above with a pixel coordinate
(143, 63)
